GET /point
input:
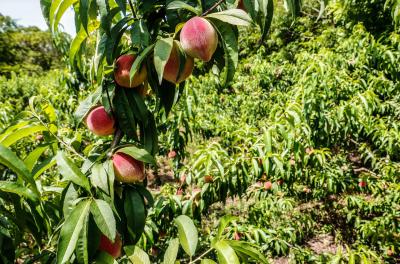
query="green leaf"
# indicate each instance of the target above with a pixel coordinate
(33, 157)
(236, 17)
(76, 44)
(187, 234)
(172, 251)
(69, 199)
(248, 249)
(81, 250)
(14, 187)
(208, 261)
(70, 171)
(52, 13)
(223, 222)
(226, 254)
(162, 50)
(140, 35)
(167, 94)
(86, 105)
(294, 7)
(182, 5)
(139, 154)
(41, 167)
(138, 61)
(104, 258)
(230, 45)
(11, 161)
(135, 213)
(146, 194)
(136, 255)
(104, 218)
(60, 12)
(21, 133)
(70, 231)
(125, 115)
(84, 13)
(99, 177)
(115, 36)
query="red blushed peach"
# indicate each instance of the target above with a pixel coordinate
(127, 169)
(199, 38)
(172, 154)
(171, 70)
(362, 184)
(100, 122)
(267, 185)
(241, 6)
(122, 69)
(114, 249)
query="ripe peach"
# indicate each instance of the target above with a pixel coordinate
(199, 38)
(114, 249)
(171, 70)
(100, 122)
(122, 69)
(127, 169)
(241, 5)
(172, 154)
(208, 179)
(362, 184)
(268, 185)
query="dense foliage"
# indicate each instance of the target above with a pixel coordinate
(301, 148)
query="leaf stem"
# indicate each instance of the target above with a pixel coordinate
(212, 8)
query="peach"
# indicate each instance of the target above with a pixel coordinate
(199, 38)
(268, 185)
(127, 169)
(114, 249)
(100, 122)
(122, 69)
(172, 154)
(171, 70)
(362, 184)
(241, 5)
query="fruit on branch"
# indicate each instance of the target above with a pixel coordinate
(122, 69)
(362, 184)
(199, 38)
(267, 185)
(241, 5)
(171, 70)
(127, 169)
(236, 236)
(100, 122)
(114, 249)
(208, 179)
(172, 154)
(279, 182)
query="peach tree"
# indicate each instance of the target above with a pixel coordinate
(136, 56)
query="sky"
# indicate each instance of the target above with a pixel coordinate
(28, 13)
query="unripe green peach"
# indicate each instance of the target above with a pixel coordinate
(127, 169)
(199, 38)
(122, 69)
(171, 70)
(100, 122)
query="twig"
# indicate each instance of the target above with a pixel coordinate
(202, 255)
(117, 138)
(58, 138)
(212, 8)
(132, 9)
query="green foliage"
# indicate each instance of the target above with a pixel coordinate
(26, 49)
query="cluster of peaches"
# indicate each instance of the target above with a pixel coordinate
(198, 39)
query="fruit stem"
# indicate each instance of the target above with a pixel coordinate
(212, 8)
(117, 138)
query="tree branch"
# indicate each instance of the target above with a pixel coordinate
(212, 8)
